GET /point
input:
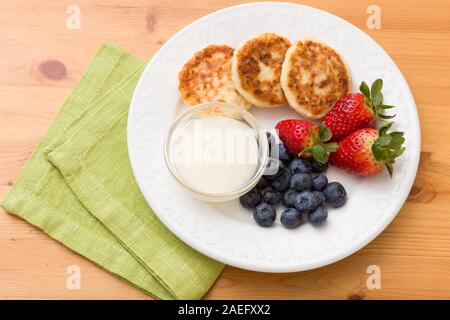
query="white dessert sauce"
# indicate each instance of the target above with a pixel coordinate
(215, 154)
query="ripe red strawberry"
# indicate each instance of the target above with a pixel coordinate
(356, 111)
(304, 139)
(366, 151)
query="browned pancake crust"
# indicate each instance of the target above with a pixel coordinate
(198, 77)
(262, 49)
(318, 60)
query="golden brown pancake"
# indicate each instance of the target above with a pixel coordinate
(256, 69)
(206, 77)
(313, 78)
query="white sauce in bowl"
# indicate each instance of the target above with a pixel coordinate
(215, 154)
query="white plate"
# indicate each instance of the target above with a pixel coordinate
(226, 232)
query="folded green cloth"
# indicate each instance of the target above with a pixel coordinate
(78, 187)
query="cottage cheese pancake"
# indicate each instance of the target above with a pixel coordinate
(206, 77)
(313, 78)
(256, 69)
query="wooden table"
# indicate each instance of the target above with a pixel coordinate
(42, 61)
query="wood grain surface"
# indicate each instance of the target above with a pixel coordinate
(41, 60)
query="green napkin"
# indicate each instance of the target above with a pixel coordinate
(78, 187)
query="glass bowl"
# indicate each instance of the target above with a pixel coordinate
(201, 168)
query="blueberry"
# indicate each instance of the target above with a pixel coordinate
(291, 218)
(320, 182)
(251, 199)
(300, 165)
(318, 216)
(283, 154)
(264, 214)
(275, 168)
(289, 198)
(281, 183)
(309, 200)
(319, 168)
(271, 196)
(263, 183)
(335, 194)
(301, 182)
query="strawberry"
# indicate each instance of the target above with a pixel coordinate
(356, 111)
(366, 151)
(304, 139)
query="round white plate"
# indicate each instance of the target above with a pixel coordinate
(226, 232)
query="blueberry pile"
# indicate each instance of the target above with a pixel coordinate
(300, 185)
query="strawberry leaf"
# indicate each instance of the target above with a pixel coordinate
(377, 85)
(385, 116)
(322, 129)
(374, 99)
(364, 88)
(319, 154)
(319, 149)
(369, 103)
(327, 135)
(384, 140)
(400, 152)
(330, 147)
(396, 142)
(388, 146)
(324, 133)
(377, 98)
(305, 152)
(385, 128)
(390, 169)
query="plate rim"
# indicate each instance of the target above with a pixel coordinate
(204, 249)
